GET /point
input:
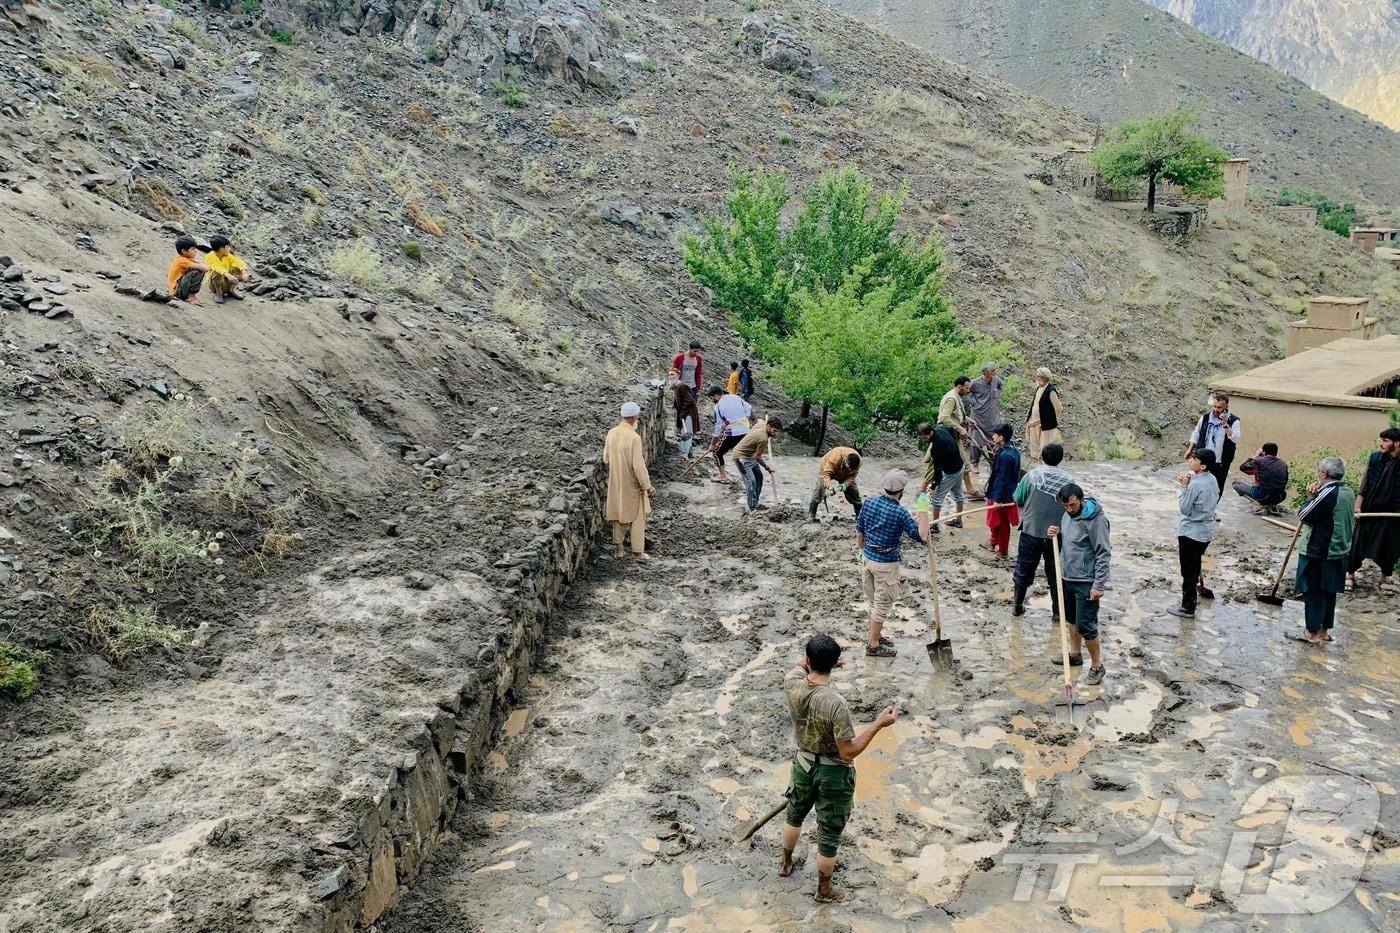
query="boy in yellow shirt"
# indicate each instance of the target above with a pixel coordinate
(226, 271)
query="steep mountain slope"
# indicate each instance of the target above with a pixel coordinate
(466, 220)
(1347, 49)
(1115, 58)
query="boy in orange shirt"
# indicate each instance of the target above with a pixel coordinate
(187, 272)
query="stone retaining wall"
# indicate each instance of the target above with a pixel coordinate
(398, 827)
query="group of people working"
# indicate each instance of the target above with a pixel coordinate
(1047, 503)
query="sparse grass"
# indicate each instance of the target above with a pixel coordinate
(413, 250)
(1124, 446)
(279, 539)
(536, 177)
(235, 490)
(229, 203)
(19, 670)
(160, 437)
(283, 36)
(1302, 471)
(313, 194)
(126, 632)
(256, 237)
(1088, 450)
(1265, 267)
(1242, 273)
(525, 312)
(72, 366)
(629, 273)
(310, 218)
(429, 285)
(358, 263)
(190, 30)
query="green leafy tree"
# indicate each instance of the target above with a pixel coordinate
(877, 362)
(1161, 147)
(844, 226)
(742, 259)
(756, 271)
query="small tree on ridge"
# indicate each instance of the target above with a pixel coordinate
(1162, 147)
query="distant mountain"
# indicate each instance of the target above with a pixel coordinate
(1347, 49)
(1115, 58)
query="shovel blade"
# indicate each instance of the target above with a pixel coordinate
(1272, 599)
(940, 653)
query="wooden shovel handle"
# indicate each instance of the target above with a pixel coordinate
(1064, 615)
(976, 511)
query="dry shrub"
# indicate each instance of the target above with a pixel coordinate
(160, 199)
(417, 113)
(425, 221)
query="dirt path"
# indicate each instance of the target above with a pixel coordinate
(656, 726)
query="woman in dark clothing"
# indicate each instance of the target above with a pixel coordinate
(1001, 488)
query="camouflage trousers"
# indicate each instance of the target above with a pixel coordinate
(830, 789)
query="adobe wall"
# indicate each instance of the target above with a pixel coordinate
(1236, 173)
(1365, 240)
(398, 827)
(1300, 428)
(1301, 215)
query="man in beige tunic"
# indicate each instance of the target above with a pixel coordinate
(629, 485)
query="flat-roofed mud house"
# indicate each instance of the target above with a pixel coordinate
(1331, 318)
(1339, 395)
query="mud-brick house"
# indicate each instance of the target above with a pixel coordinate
(1332, 318)
(1339, 395)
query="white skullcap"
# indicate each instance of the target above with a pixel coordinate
(631, 409)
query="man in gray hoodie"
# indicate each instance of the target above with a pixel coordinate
(1038, 498)
(1083, 533)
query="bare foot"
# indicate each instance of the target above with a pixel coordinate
(786, 864)
(641, 557)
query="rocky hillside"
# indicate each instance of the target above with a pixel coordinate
(278, 527)
(1116, 58)
(1347, 49)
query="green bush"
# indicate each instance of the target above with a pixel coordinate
(1302, 472)
(19, 670)
(413, 251)
(1331, 215)
(126, 632)
(283, 36)
(510, 91)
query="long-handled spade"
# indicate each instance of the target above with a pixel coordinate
(940, 650)
(1067, 703)
(1271, 597)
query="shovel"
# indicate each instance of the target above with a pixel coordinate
(940, 650)
(1067, 703)
(1271, 597)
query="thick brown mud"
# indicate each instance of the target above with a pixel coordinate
(1225, 774)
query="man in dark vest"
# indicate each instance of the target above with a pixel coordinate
(1219, 432)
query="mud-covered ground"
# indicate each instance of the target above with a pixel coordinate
(1226, 774)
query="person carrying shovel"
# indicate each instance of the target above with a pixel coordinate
(1324, 544)
(1083, 535)
(880, 527)
(823, 777)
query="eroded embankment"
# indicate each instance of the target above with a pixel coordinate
(656, 726)
(300, 783)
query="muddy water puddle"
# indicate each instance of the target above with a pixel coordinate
(659, 728)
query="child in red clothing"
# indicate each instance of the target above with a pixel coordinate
(1001, 490)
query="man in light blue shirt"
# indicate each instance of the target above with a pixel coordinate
(1196, 527)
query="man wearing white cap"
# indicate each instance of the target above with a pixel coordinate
(880, 527)
(629, 484)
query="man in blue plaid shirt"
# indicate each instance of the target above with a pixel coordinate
(880, 529)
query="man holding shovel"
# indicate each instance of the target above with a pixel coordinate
(880, 527)
(840, 467)
(823, 777)
(1083, 535)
